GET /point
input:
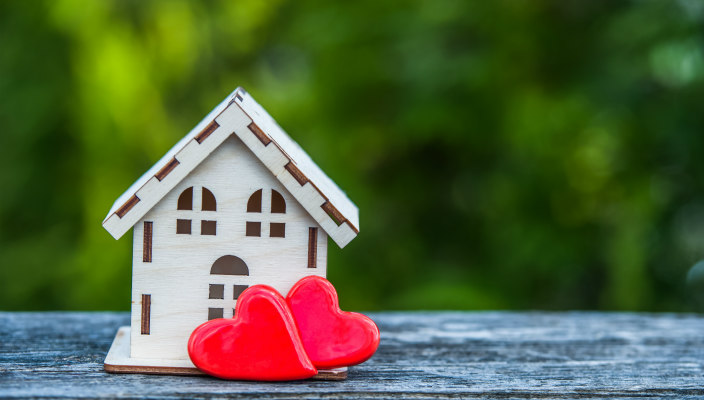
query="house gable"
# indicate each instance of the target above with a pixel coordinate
(241, 115)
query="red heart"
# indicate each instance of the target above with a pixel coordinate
(260, 343)
(332, 337)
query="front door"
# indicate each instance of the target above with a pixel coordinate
(227, 283)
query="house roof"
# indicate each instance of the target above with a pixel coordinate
(241, 115)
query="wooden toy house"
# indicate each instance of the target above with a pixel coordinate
(235, 203)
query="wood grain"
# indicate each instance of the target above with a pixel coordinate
(421, 356)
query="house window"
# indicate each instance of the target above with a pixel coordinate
(216, 292)
(185, 200)
(254, 228)
(277, 206)
(277, 229)
(254, 205)
(312, 247)
(215, 313)
(225, 272)
(185, 203)
(237, 290)
(146, 313)
(207, 227)
(147, 242)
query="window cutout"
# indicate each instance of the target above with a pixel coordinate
(209, 203)
(229, 265)
(183, 226)
(277, 229)
(146, 313)
(254, 229)
(147, 242)
(254, 204)
(185, 200)
(237, 291)
(216, 292)
(278, 204)
(207, 227)
(214, 313)
(312, 247)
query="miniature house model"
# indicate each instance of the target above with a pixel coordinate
(235, 203)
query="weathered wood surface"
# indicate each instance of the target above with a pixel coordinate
(422, 355)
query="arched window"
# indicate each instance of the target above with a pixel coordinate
(185, 203)
(229, 265)
(208, 203)
(277, 206)
(254, 204)
(185, 200)
(225, 267)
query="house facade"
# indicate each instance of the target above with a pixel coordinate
(234, 204)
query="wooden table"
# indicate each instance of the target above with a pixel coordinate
(422, 355)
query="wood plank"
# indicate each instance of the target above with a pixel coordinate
(422, 355)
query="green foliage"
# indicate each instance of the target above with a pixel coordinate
(503, 154)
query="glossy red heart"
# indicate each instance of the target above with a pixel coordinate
(260, 343)
(332, 337)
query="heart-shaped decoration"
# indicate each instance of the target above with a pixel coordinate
(260, 343)
(332, 338)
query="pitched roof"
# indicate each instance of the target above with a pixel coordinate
(239, 114)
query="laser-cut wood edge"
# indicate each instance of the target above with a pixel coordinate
(206, 132)
(127, 206)
(167, 169)
(336, 216)
(118, 361)
(296, 173)
(263, 137)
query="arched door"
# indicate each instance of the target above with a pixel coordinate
(224, 274)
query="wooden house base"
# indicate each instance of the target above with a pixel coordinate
(118, 361)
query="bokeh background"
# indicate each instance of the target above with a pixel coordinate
(503, 154)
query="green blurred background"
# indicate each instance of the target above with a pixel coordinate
(503, 154)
